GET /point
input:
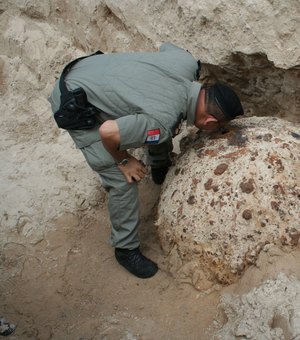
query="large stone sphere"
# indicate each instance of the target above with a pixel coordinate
(229, 196)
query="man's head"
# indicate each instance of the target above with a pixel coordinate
(217, 105)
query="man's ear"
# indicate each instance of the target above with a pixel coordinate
(208, 119)
(210, 123)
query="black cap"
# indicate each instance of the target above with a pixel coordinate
(228, 101)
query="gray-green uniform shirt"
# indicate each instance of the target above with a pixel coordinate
(147, 93)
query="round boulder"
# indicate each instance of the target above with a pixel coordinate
(229, 196)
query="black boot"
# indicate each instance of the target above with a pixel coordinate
(136, 263)
(159, 174)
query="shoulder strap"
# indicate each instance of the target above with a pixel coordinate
(66, 70)
(198, 69)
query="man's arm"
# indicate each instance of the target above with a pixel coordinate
(134, 170)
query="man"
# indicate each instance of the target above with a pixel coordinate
(141, 99)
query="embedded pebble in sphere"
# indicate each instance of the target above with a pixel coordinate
(229, 195)
(247, 214)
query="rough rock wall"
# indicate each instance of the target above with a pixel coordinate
(254, 45)
(38, 175)
(271, 311)
(215, 29)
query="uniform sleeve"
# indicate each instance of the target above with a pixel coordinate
(138, 130)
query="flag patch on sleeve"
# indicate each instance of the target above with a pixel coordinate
(153, 136)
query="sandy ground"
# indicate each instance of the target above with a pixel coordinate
(69, 286)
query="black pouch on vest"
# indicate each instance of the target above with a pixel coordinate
(75, 112)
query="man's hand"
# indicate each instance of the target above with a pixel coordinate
(134, 170)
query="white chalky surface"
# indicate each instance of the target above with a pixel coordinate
(270, 311)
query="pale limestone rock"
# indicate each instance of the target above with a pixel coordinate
(229, 195)
(270, 311)
(218, 29)
(252, 45)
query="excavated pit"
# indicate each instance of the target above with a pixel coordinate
(255, 47)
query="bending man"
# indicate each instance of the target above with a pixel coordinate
(140, 99)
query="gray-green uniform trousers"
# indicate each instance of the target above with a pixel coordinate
(123, 202)
(147, 94)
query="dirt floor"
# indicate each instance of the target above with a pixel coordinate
(69, 286)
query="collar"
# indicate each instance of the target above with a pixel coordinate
(192, 102)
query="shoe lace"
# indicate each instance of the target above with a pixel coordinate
(137, 257)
